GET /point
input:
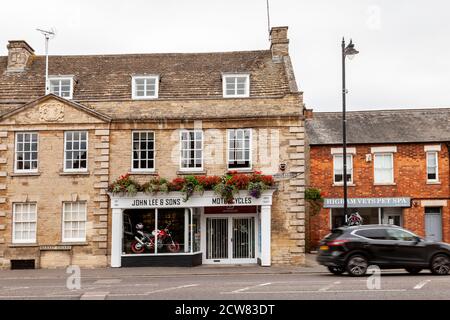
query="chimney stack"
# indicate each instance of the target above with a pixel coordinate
(20, 55)
(279, 42)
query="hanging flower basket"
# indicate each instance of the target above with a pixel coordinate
(315, 200)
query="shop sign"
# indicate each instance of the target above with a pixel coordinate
(368, 202)
(208, 199)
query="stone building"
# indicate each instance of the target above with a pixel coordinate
(148, 116)
(398, 170)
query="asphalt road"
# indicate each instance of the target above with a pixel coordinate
(302, 286)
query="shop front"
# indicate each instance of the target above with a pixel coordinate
(165, 230)
(372, 210)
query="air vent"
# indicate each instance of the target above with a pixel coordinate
(22, 264)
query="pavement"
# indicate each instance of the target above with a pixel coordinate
(219, 283)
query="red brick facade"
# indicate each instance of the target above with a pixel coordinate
(410, 180)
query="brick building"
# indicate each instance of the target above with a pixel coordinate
(149, 115)
(398, 170)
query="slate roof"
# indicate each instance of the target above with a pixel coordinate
(381, 126)
(108, 77)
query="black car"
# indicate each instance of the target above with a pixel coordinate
(354, 249)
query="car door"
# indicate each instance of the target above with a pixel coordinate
(409, 248)
(378, 245)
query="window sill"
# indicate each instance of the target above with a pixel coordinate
(185, 173)
(75, 243)
(74, 173)
(22, 245)
(385, 184)
(25, 174)
(148, 173)
(341, 185)
(247, 170)
(433, 182)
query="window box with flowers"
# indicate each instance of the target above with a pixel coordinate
(226, 186)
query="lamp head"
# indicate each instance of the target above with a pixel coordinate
(350, 50)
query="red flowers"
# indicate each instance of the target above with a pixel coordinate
(239, 180)
(208, 182)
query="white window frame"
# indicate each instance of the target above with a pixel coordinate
(243, 149)
(181, 150)
(436, 154)
(61, 78)
(16, 151)
(132, 151)
(234, 75)
(14, 222)
(145, 97)
(377, 154)
(335, 156)
(63, 232)
(87, 152)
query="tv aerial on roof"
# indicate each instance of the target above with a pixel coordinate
(48, 34)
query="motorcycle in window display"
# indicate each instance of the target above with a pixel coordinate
(145, 240)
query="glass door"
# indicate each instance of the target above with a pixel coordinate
(231, 240)
(243, 238)
(217, 239)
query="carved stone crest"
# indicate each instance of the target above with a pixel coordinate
(51, 112)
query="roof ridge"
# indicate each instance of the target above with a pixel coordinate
(437, 109)
(152, 54)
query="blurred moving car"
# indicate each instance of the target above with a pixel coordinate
(354, 249)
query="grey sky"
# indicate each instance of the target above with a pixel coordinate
(404, 44)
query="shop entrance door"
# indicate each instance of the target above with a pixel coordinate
(231, 240)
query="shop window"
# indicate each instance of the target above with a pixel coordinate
(239, 148)
(383, 168)
(161, 231)
(26, 152)
(143, 151)
(338, 165)
(432, 167)
(24, 222)
(191, 150)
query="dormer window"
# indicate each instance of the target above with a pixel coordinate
(61, 86)
(145, 87)
(236, 85)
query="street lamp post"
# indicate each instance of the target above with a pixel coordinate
(347, 51)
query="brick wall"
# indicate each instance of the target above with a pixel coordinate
(409, 177)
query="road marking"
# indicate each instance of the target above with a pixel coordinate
(108, 281)
(421, 284)
(173, 288)
(94, 296)
(315, 291)
(326, 288)
(248, 288)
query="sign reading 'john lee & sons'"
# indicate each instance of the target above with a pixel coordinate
(368, 202)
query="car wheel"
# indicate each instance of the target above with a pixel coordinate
(414, 270)
(440, 265)
(336, 270)
(357, 265)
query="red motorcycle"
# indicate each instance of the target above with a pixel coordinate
(144, 240)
